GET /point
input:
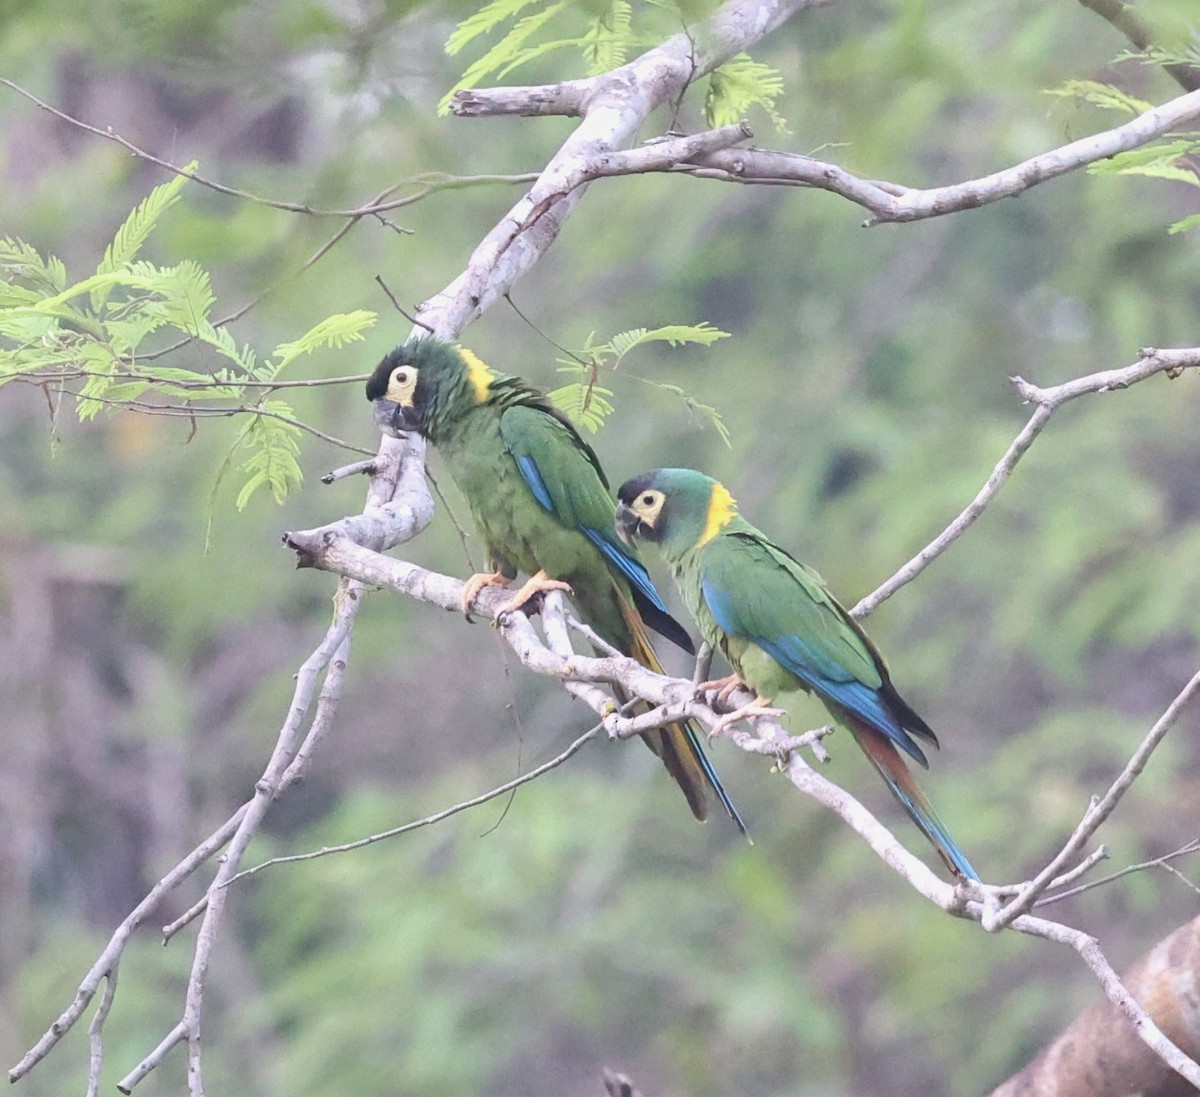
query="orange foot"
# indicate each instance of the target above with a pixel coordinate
(476, 583)
(724, 686)
(760, 706)
(536, 584)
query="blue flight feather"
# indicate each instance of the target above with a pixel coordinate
(629, 567)
(649, 602)
(927, 821)
(789, 652)
(532, 477)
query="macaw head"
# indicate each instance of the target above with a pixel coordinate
(424, 384)
(676, 509)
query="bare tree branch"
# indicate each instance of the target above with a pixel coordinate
(891, 202)
(1158, 862)
(1099, 1055)
(612, 108)
(1099, 810)
(428, 183)
(1124, 17)
(1170, 362)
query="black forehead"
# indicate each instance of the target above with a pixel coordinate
(631, 489)
(404, 355)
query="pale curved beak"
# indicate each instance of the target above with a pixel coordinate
(627, 524)
(390, 417)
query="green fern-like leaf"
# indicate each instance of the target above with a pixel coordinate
(27, 325)
(136, 230)
(585, 403)
(27, 264)
(99, 362)
(673, 335)
(740, 85)
(484, 21)
(705, 411)
(1186, 225)
(1148, 156)
(274, 446)
(505, 52)
(334, 331)
(607, 41)
(1106, 96)
(185, 293)
(1160, 161)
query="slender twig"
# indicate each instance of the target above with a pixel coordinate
(1157, 862)
(357, 468)
(400, 308)
(111, 954)
(430, 182)
(176, 1036)
(1151, 362)
(95, 1030)
(199, 386)
(189, 411)
(1099, 810)
(428, 820)
(999, 477)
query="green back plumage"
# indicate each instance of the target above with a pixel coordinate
(541, 502)
(780, 627)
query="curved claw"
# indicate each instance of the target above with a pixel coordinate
(760, 706)
(536, 584)
(475, 584)
(724, 687)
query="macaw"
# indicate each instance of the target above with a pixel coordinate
(780, 628)
(543, 506)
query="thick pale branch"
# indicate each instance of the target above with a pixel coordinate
(891, 202)
(613, 106)
(1099, 1055)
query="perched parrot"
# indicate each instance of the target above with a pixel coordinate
(543, 507)
(780, 628)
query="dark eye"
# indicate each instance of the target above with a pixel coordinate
(648, 500)
(400, 376)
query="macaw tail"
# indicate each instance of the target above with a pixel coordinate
(678, 745)
(895, 773)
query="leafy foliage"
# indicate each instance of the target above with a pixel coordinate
(1107, 96)
(740, 85)
(88, 340)
(587, 401)
(603, 34)
(1171, 158)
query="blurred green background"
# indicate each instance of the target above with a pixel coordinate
(520, 948)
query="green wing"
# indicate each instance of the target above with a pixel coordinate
(756, 590)
(561, 469)
(565, 477)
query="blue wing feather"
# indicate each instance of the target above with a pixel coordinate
(533, 477)
(789, 652)
(649, 602)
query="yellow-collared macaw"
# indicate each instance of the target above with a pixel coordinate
(780, 628)
(542, 506)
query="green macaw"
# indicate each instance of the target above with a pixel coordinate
(780, 628)
(543, 507)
